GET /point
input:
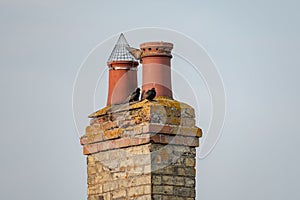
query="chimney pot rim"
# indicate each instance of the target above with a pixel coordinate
(156, 44)
(131, 63)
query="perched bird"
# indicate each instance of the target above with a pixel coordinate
(135, 95)
(149, 95)
(136, 53)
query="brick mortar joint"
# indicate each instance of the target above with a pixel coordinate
(107, 145)
(153, 137)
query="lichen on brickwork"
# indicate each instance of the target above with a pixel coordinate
(137, 172)
(169, 104)
(144, 150)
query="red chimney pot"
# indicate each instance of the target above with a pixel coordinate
(122, 73)
(156, 60)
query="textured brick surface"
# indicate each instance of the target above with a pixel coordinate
(142, 151)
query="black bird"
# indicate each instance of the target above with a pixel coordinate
(135, 95)
(149, 95)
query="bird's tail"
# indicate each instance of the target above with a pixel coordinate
(143, 95)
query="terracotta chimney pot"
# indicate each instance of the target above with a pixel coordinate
(156, 60)
(122, 73)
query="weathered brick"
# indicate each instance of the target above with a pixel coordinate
(135, 170)
(118, 175)
(107, 196)
(167, 180)
(123, 183)
(141, 159)
(184, 192)
(180, 171)
(112, 134)
(156, 180)
(98, 188)
(135, 191)
(147, 169)
(91, 170)
(90, 148)
(129, 157)
(139, 180)
(156, 197)
(185, 131)
(101, 178)
(174, 120)
(83, 140)
(147, 189)
(172, 180)
(172, 198)
(109, 186)
(158, 109)
(126, 162)
(190, 162)
(177, 140)
(178, 181)
(188, 122)
(189, 182)
(91, 179)
(190, 171)
(166, 189)
(155, 118)
(188, 112)
(144, 197)
(91, 160)
(158, 169)
(156, 128)
(143, 149)
(89, 130)
(91, 191)
(118, 194)
(99, 120)
(174, 112)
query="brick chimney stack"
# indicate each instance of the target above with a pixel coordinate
(156, 60)
(143, 150)
(122, 73)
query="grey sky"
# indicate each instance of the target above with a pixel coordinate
(255, 45)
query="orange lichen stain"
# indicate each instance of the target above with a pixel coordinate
(145, 104)
(98, 113)
(122, 169)
(199, 132)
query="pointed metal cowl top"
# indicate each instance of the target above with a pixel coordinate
(120, 52)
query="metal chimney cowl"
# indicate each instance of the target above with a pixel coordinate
(122, 73)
